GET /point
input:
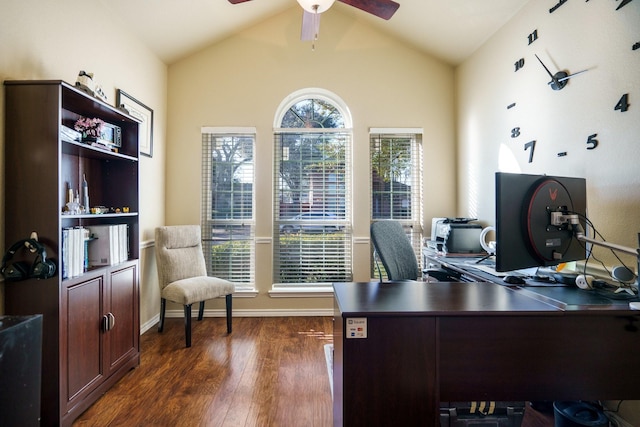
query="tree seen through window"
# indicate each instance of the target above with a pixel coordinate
(312, 212)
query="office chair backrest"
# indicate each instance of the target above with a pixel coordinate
(395, 250)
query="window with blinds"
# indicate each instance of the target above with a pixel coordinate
(227, 218)
(396, 183)
(312, 232)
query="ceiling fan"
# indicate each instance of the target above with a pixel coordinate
(313, 8)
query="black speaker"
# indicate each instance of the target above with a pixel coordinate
(40, 268)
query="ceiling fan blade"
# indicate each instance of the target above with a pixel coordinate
(381, 8)
(310, 26)
(237, 1)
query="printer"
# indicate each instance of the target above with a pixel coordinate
(456, 236)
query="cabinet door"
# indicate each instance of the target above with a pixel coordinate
(82, 358)
(121, 341)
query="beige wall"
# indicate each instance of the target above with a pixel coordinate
(577, 36)
(54, 40)
(242, 81)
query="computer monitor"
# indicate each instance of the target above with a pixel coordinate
(524, 234)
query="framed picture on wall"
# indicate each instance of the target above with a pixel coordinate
(141, 112)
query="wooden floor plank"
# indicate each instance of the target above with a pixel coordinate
(268, 372)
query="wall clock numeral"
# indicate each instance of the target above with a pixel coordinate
(510, 106)
(562, 154)
(623, 103)
(519, 64)
(557, 6)
(532, 145)
(515, 132)
(533, 36)
(622, 4)
(592, 142)
(635, 46)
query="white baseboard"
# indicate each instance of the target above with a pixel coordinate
(328, 312)
(149, 324)
(256, 313)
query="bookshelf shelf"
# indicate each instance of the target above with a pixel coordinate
(99, 216)
(85, 150)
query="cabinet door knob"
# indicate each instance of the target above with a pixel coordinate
(112, 320)
(108, 321)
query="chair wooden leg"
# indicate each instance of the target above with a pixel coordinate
(163, 305)
(187, 324)
(201, 310)
(228, 304)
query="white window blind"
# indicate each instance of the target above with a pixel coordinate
(227, 217)
(312, 209)
(396, 183)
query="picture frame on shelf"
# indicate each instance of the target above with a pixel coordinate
(141, 112)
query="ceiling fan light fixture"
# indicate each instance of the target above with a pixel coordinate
(316, 6)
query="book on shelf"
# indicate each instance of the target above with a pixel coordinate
(74, 251)
(69, 135)
(109, 244)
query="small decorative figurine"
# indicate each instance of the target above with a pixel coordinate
(85, 82)
(99, 93)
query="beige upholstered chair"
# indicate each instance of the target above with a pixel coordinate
(182, 274)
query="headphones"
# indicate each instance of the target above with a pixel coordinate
(41, 268)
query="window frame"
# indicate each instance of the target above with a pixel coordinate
(322, 289)
(207, 221)
(343, 232)
(412, 225)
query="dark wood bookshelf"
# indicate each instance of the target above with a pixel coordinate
(91, 321)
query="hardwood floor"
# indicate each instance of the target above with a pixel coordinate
(268, 372)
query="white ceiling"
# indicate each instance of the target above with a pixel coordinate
(450, 30)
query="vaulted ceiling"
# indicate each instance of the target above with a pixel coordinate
(450, 30)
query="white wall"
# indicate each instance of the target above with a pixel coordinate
(579, 35)
(55, 40)
(241, 82)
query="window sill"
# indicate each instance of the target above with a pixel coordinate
(245, 293)
(279, 290)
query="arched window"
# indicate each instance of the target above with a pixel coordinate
(313, 108)
(312, 210)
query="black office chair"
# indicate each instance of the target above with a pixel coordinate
(394, 249)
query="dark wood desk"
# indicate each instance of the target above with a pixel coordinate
(458, 342)
(565, 297)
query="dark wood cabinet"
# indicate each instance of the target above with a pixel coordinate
(91, 323)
